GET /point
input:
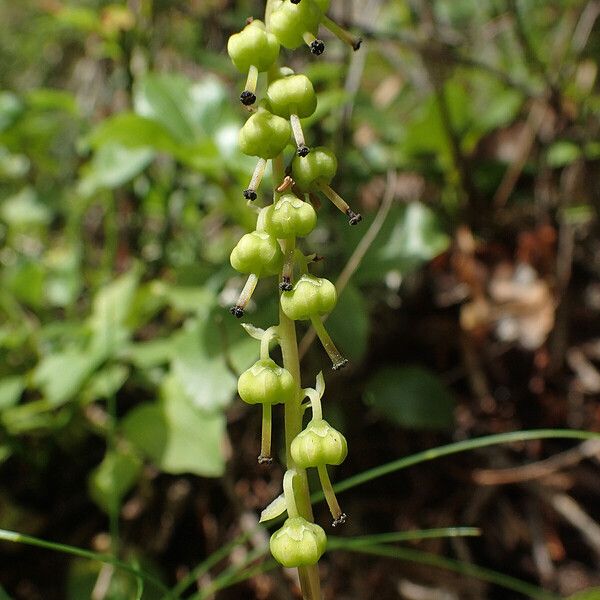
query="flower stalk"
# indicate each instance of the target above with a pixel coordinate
(271, 250)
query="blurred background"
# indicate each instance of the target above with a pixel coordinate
(468, 137)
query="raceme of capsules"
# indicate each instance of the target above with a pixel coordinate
(272, 250)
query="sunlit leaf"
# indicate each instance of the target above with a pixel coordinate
(167, 99)
(11, 389)
(62, 374)
(175, 435)
(112, 166)
(112, 479)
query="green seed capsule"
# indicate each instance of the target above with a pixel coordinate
(253, 46)
(264, 135)
(319, 444)
(292, 95)
(290, 217)
(319, 166)
(311, 297)
(258, 253)
(266, 382)
(298, 543)
(290, 22)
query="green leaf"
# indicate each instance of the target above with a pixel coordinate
(133, 131)
(112, 479)
(351, 308)
(105, 383)
(146, 355)
(562, 153)
(61, 375)
(24, 209)
(11, 389)
(411, 396)
(275, 509)
(186, 299)
(13, 166)
(79, 17)
(112, 166)
(110, 310)
(199, 364)
(175, 435)
(11, 108)
(411, 236)
(210, 105)
(25, 280)
(51, 99)
(168, 99)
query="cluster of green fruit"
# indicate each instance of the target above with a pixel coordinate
(271, 249)
(298, 542)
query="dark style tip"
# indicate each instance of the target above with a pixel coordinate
(265, 460)
(250, 194)
(302, 150)
(354, 218)
(286, 286)
(247, 98)
(295, 1)
(340, 365)
(340, 520)
(317, 47)
(357, 44)
(237, 311)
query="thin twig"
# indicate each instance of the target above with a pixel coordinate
(570, 510)
(540, 553)
(359, 252)
(536, 470)
(535, 120)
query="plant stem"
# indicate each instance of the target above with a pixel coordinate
(309, 576)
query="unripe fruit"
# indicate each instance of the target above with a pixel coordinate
(318, 167)
(292, 95)
(264, 135)
(258, 253)
(319, 444)
(289, 22)
(290, 217)
(311, 297)
(253, 46)
(266, 382)
(298, 543)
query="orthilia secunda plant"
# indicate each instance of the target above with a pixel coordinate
(274, 134)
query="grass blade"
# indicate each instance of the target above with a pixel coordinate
(339, 543)
(506, 581)
(209, 563)
(19, 538)
(455, 448)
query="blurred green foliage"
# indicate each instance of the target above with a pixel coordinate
(120, 200)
